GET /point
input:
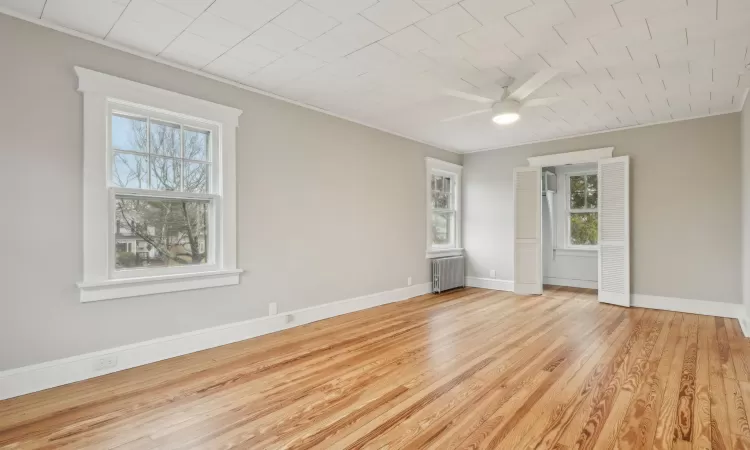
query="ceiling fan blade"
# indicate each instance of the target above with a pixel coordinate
(521, 90)
(467, 96)
(541, 101)
(469, 114)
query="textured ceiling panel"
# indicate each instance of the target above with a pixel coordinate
(388, 63)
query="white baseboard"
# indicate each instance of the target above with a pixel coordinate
(37, 377)
(490, 283)
(571, 283)
(702, 307)
(744, 325)
(684, 305)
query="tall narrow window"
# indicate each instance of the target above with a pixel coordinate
(443, 211)
(443, 208)
(583, 212)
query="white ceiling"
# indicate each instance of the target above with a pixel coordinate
(384, 62)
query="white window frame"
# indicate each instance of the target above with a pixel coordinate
(104, 93)
(453, 171)
(568, 210)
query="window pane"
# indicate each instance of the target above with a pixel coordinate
(443, 226)
(577, 192)
(591, 190)
(447, 184)
(440, 200)
(583, 228)
(160, 232)
(130, 171)
(196, 144)
(165, 174)
(196, 177)
(129, 133)
(165, 139)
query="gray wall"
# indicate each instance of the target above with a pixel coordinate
(685, 206)
(327, 209)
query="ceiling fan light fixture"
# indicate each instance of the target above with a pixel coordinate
(506, 112)
(505, 118)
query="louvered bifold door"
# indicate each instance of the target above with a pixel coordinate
(527, 194)
(614, 231)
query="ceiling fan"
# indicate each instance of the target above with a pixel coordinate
(507, 108)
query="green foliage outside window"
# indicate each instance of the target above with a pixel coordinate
(584, 218)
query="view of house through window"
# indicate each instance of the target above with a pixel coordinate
(584, 216)
(160, 232)
(153, 157)
(443, 211)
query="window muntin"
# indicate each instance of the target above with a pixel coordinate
(163, 198)
(157, 155)
(583, 213)
(443, 205)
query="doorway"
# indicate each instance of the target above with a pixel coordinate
(570, 232)
(588, 211)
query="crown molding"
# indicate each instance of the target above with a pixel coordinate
(47, 24)
(612, 130)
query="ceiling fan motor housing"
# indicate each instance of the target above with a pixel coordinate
(506, 106)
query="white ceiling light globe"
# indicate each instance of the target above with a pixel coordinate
(506, 112)
(506, 118)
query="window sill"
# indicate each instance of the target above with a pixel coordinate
(133, 287)
(576, 252)
(444, 252)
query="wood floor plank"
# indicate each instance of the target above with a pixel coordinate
(470, 368)
(736, 410)
(721, 437)
(575, 391)
(582, 429)
(702, 411)
(637, 377)
(511, 362)
(725, 351)
(603, 404)
(534, 420)
(683, 426)
(665, 424)
(638, 428)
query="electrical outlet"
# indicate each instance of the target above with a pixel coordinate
(105, 362)
(493, 274)
(408, 281)
(289, 318)
(273, 309)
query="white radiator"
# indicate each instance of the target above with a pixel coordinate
(447, 273)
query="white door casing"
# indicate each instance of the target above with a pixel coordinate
(614, 230)
(527, 230)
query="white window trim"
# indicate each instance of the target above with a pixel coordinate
(436, 166)
(100, 91)
(580, 157)
(568, 249)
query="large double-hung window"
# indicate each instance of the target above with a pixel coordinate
(159, 190)
(165, 192)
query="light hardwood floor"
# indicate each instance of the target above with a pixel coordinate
(466, 369)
